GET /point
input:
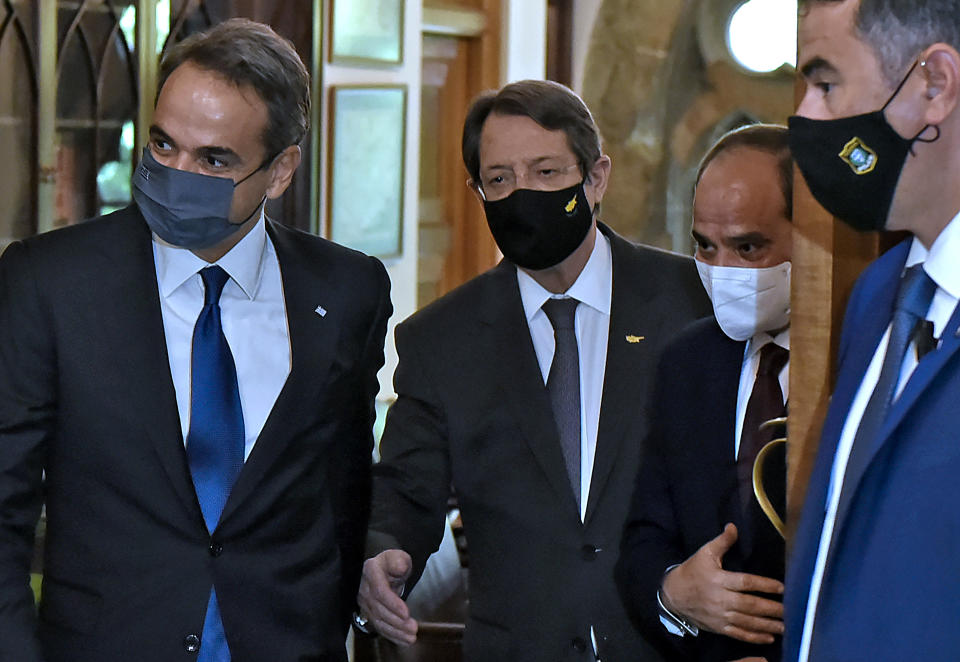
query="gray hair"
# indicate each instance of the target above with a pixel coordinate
(898, 30)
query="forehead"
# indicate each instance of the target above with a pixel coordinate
(198, 108)
(828, 35)
(740, 191)
(510, 139)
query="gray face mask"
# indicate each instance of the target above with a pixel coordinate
(186, 209)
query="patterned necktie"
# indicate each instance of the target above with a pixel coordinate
(215, 442)
(913, 299)
(765, 403)
(563, 384)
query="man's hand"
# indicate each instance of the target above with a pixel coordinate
(383, 579)
(700, 590)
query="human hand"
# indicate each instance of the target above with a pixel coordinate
(699, 589)
(379, 599)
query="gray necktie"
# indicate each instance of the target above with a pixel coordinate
(563, 383)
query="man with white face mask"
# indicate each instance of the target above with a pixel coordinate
(701, 568)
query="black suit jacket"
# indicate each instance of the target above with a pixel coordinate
(686, 489)
(86, 397)
(473, 412)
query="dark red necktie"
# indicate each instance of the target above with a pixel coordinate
(766, 402)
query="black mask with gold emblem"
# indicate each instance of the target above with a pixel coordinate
(539, 229)
(852, 164)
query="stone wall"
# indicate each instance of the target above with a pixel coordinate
(662, 89)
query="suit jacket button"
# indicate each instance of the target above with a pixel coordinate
(191, 643)
(579, 644)
(588, 552)
(215, 549)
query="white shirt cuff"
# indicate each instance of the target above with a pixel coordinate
(674, 624)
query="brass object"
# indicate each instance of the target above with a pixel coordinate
(758, 489)
(633, 340)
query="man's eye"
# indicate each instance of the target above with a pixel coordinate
(214, 162)
(161, 145)
(824, 87)
(548, 172)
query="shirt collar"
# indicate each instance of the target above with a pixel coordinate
(940, 262)
(756, 343)
(243, 263)
(594, 285)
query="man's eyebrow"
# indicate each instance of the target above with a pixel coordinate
(748, 238)
(815, 66)
(699, 238)
(217, 151)
(157, 132)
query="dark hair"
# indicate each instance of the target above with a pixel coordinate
(770, 138)
(898, 30)
(553, 106)
(250, 54)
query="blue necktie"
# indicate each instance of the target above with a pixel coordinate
(215, 442)
(563, 384)
(913, 299)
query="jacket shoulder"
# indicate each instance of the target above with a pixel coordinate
(462, 304)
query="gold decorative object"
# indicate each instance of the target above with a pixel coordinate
(758, 489)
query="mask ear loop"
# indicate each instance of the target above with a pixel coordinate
(900, 87)
(917, 138)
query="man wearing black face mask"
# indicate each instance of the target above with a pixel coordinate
(188, 387)
(873, 573)
(523, 389)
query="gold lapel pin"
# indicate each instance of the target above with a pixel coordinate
(633, 340)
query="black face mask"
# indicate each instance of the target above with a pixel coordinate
(539, 229)
(852, 164)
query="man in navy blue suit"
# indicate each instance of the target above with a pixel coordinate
(873, 574)
(700, 566)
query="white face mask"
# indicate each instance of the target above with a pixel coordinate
(747, 301)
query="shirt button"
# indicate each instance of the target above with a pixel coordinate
(579, 644)
(191, 643)
(588, 552)
(215, 549)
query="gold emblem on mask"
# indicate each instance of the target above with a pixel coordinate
(859, 156)
(571, 205)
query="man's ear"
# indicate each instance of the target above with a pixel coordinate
(475, 188)
(281, 171)
(598, 177)
(940, 67)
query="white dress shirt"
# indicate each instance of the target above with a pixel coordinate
(594, 289)
(253, 315)
(941, 265)
(748, 377)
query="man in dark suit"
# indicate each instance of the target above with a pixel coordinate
(188, 388)
(697, 549)
(873, 574)
(499, 388)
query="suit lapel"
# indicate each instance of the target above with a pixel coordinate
(522, 382)
(152, 398)
(918, 382)
(312, 343)
(879, 300)
(633, 313)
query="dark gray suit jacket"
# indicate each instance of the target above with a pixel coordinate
(473, 412)
(86, 397)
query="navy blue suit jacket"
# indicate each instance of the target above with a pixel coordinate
(891, 586)
(686, 490)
